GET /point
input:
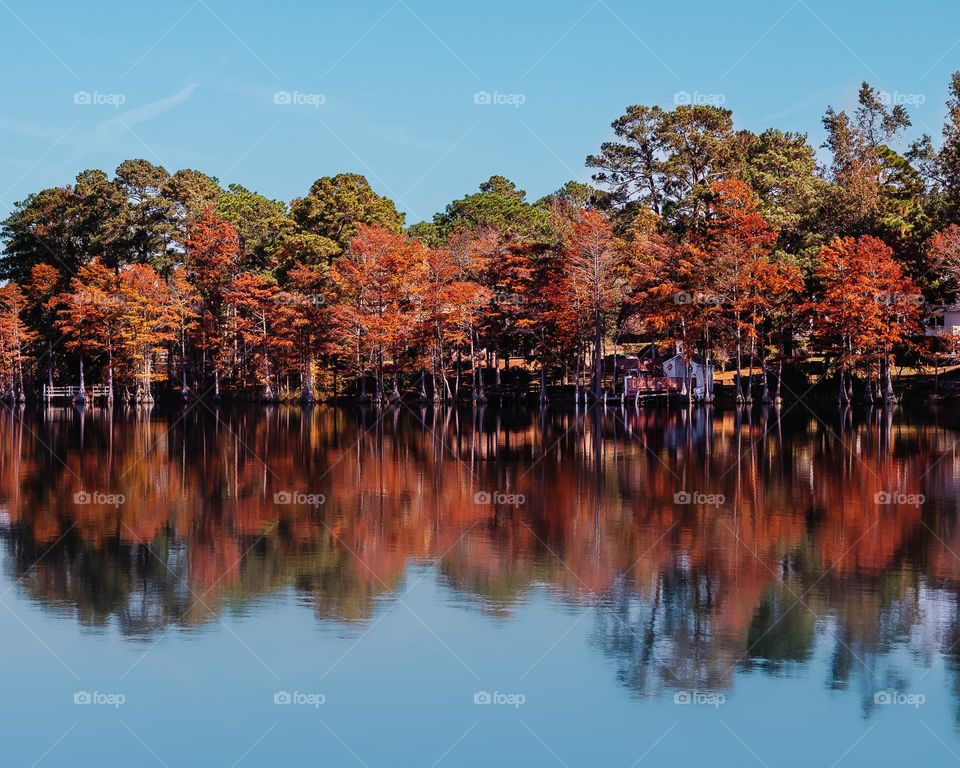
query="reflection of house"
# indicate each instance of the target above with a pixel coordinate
(695, 371)
(944, 320)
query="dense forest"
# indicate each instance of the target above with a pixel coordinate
(742, 249)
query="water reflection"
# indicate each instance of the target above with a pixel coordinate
(788, 549)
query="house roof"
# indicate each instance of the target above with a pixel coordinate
(696, 360)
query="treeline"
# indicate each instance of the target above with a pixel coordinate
(731, 245)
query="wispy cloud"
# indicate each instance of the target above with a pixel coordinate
(29, 129)
(111, 129)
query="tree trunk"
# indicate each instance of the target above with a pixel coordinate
(577, 374)
(739, 374)
(765, 387)
(80, 395)
(456, 374)
(306, 383)
(543, 374)
(888, 394)
(478, 393)
(184, 390)
(597, 357)
(110, 374)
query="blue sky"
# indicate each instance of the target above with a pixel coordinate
(274, 95)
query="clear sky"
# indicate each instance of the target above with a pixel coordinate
(275, 94)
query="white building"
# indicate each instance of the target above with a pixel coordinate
(696, 372)
(946, 320)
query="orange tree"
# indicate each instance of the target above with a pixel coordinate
(378, 283)
(184, 309)
(451, 305)
(87, 315)
(146, 323)
(863, 306)
(260, 317)
(41, 289)
(306, 320)
(212, 251)
(15, 339)
(548, 315)
(736, 248)
(592, 254)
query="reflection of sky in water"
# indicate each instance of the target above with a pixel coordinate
(397, 694)
(400, 599)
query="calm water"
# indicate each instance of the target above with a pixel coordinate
(655, 588)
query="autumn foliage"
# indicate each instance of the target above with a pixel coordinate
(732, 249)
(393, 313)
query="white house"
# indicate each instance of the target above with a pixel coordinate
(699, 375)
(946, 320)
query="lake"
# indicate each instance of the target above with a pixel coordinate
(422, 586)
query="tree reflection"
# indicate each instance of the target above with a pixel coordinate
(794, 554)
